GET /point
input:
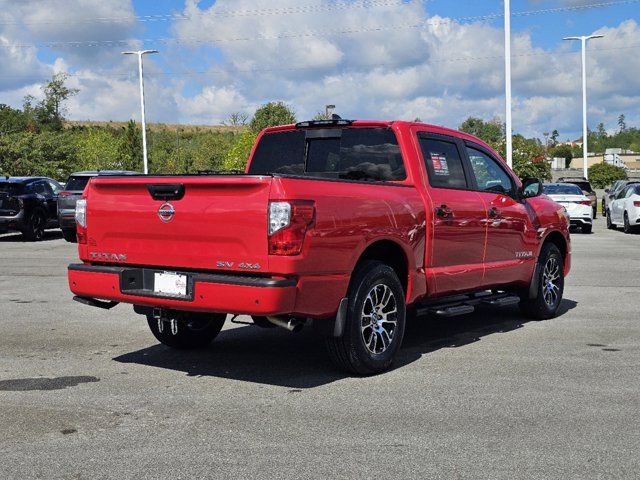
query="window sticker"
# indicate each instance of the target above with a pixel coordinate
(440, 166)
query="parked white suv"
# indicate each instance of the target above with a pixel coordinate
(577, 204)
(625, 209)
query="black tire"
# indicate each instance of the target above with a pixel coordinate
(195, 330)
(546, 303)
(610, 225)
(352, 352)
(595, 211)
(587, 228)
(34, 229)
(69, 235)
(627, 226)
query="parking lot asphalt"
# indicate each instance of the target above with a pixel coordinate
(87, 393)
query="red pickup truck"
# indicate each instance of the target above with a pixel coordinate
(348, 226)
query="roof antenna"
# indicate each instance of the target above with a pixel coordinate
(335, 116)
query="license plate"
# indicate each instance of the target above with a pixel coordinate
(170, 283)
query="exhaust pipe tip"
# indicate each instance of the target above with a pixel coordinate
(294, 325)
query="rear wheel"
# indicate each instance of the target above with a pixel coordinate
(34, 229)
(69, 235)
(375, 321)
(627, 226)
(195, 330)
(550, 281)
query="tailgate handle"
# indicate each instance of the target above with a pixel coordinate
(166, 191)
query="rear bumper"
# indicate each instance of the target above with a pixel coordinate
(207, 292)
(14, 222)
(67, 218)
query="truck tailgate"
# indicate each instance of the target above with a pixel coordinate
(214, 223)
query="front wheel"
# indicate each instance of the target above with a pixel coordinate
(375, 321)
(550, 279)
(195, 330)
(610, 224)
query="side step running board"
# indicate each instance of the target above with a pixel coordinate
(464, 304)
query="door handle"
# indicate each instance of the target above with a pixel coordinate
(444, 211)
(494, 212)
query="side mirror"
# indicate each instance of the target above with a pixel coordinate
(531, 187)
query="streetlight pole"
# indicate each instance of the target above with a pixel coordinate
(327, 108)
(140, 53)
(507, 82)
(583, 40)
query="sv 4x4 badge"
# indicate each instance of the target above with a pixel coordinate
(243, 265)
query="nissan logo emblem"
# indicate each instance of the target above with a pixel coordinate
(166, 212)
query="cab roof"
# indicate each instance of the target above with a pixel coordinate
(399, 124)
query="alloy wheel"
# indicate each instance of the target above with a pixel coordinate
(550, 281)
(379, 318)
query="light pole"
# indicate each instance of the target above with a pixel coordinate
(507, 80)
(583, 39)
(326, 110)
(140, 53)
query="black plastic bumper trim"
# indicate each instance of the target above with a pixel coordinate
(261, 282)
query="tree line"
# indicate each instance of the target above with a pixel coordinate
(36, 140)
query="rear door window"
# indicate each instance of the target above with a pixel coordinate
(12, 188)
(77, 183)
(444, 163)
(350, 153)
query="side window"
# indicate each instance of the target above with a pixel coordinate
(490, 176)
(621, 193)
(370, 153)
(39, 188)
(443, 162)
(55, 187)
(630, 191)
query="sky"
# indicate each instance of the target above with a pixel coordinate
(439, 60)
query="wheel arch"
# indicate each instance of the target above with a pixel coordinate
(391, 253)
(558, 239)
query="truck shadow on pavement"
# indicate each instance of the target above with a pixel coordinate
(277, 357)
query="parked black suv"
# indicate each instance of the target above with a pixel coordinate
(72, 192)
(28, 205)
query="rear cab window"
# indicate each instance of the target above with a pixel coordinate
(358, 153)
(12, 188)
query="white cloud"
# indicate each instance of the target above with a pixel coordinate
(442, 72)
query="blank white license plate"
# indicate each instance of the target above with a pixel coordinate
(170, 283)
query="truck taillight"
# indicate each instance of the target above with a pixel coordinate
(288, 224)
(585, 202)
(636, 203)
(81, 220)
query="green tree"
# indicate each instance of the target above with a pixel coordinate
(12, 120)
(563, 151)
(130, 147)
(271, 114)
(621, 123)
(554, 137)
(236, 158)
(603, 174)
(491, 132)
